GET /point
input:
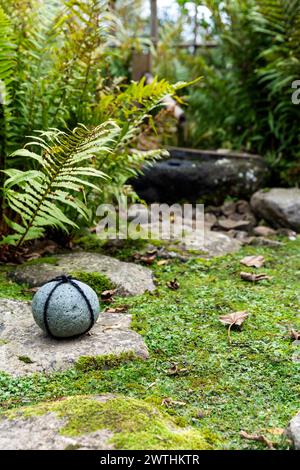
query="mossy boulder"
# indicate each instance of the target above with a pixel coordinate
(125, 423)
(100, 270)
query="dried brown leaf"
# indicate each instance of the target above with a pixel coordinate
(152, 252)
(169, 402)
(148, 259)
(276, 431)
(41, 248)
(253, 261)
(162, 262)
(120, 309)
(31, 290)
(107, 295)
(174, 284)
(175, 370)
(295, 335)
(254, 277)
(235, 318)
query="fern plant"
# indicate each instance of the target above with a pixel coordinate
(54, 71)
(130, 108)
(64, 170)
(7, 63)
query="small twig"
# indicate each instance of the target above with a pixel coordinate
(258, 438)
(228, 333)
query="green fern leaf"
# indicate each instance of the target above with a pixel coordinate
(38, 196)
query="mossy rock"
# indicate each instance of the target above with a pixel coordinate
(132, 424)
(95, 269)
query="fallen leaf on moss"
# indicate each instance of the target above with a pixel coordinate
(175, 370)
(236, 318)
(253, 261)
(162, 262)
(295, 334)
(148, 259)
(169, 402)
(258, 438)
(276, 431)
(254, 277)
(151, 385)
(233, 319)
(174, 285)
(30, 290)
(107, 295)
(120, 309)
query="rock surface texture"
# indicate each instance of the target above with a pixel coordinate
(129, 278)
(279, 206)
(293, 431)
(180, 228)
(42, 432)
(190, 174)
(25, 349)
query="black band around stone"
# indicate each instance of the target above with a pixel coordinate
(63, 280)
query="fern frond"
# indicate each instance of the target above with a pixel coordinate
(7, 64)
(38, 196)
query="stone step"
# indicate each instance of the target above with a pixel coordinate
(25, 349)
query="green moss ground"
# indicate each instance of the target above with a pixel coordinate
(98, 282)
(251, 384)
(11, 290)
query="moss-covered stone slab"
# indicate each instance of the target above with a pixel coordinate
(25, 349)
(129, 278)
(98, 422)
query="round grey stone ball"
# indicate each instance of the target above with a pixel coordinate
(68, 313)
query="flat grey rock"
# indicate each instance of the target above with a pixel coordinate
(130, 278)
(279, 206)
(202, 239)
(263, 231)
(21, 338)
(42, 432)
(218, 244)
(293, 431)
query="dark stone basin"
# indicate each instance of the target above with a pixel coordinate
(207, 175)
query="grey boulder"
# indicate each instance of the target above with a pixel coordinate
(293, 431)
(279, 206)
(129, 278)
(191, 174)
